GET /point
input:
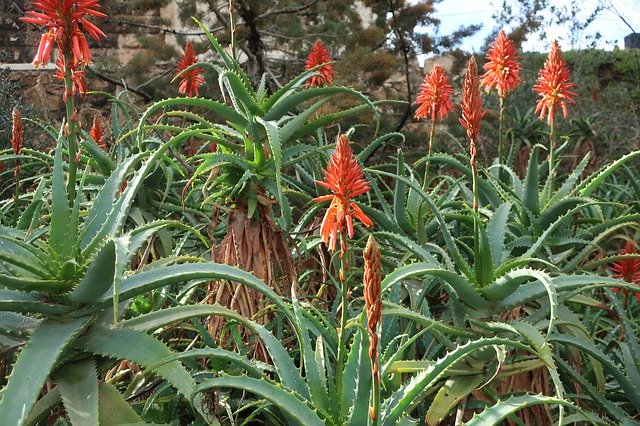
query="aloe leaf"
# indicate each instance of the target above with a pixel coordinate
(286, 104)
(414, 389)
(273, 136)
(452, 392)
(78, 384)
(357, 376)
(531, 196)
(407, 243)
(44, 406)
(34, 284)
(99, 276)
(18, 301)
(483, 262)
(630, 390)
(570, 182)
(377, 143)
(400, 199)
(293, 126)
(608, 406)
(144, 350)
(31, 215)
(497, 229)
(460, 262)
(296, 408)
(285, 368)
(228, 60)
(391, 309)
(60, 210)
(560, 208)
(459, 284)
(317, 391)
(590, 184)
(504, 408)
(239, 91)
(102, 162)
(33, 366)
(114, 409)
(248, 366)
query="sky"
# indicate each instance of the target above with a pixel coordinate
(454, 13)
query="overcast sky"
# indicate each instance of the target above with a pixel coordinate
(454, 13)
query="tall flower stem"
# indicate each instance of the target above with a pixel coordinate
(16, 196)
(432, 133)
(342, 341)
(552, 152)
(501, 131)
(71, 132)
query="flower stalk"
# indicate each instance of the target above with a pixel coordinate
(17, 139)
(372, 281)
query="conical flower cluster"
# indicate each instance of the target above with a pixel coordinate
(471, 105)
(434, 96)
(553, 86)
(97, 134)
(344, 178)
(627, 269)
(502, 70)
(319, 55)
(190, 81)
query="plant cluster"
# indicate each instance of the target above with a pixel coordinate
(183, 266)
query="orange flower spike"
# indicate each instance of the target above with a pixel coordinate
(471, 105)
(319, 55)
(553, 85)
(17, 131)
(502, 70)
(345, 179)
(434, 96)
(63, 18)
(190, 81)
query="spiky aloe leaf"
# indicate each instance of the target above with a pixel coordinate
(531, 196)
(630, 390)
(414, 389)
(78, 384)
(461, 287)
(31, 215)
(28, 303)
(144, 350)
(452, 392)
(34, 365)
(114, 409)
(249, 367)
(240, 92)
(34, 284)
(391, 309)
(400, 199)
(293, 406)
(503, 408)
(570, 182)
(60, 210)
(317, 391)
(496, 229)
(357, 382)
(285, 368)
(590, 184)
(407, 243)
(275, 141)
(99, 276)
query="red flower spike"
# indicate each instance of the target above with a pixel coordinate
(553, 85)
(434, 97)
(63, 18)
(97, 134)
(627, 269)
(190, 81)
(471, 105)
(319, 55)
(344, 178)
(503, 69)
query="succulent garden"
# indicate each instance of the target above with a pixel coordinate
(258, 258)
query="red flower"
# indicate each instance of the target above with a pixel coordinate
(503, 69)
(627, 269)
(97, 134)
(63, 19)
(78, 80)
(553, 85)
(344, 178)
(434, 97)
(319, 55)
(190, 81)
(471, 105)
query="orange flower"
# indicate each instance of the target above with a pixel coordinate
(503, 69)
(553, 85)
(319, 55)
(190, 81)
(471, 105)
(344, 178)
(63, 19)
(96, 133)
(78, 79)
(434, 96)
(627, 269)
